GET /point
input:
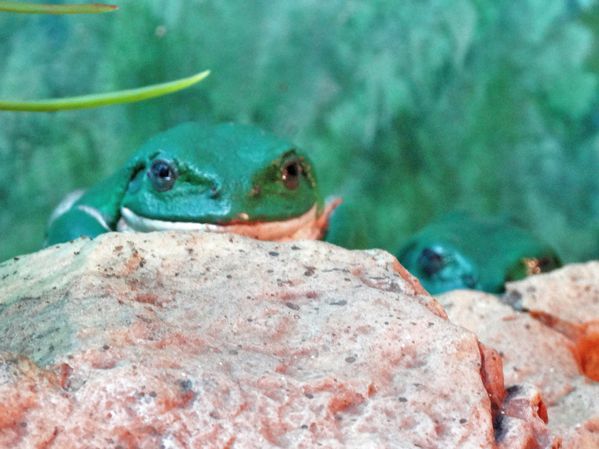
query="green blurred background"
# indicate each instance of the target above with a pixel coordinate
(410, 108)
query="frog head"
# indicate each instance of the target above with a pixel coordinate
(439, 265)
(223, 178)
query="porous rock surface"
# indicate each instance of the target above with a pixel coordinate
(566, 300)
(542, 330)
(168, 340)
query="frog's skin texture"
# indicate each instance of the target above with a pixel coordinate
(196, 176)
(461, 251)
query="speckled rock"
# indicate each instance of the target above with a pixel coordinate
(542, 342)
(570, 294)
(566, 300)
(169, 340)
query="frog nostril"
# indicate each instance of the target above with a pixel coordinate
(469, 281)
(214, 191)
(256, 190)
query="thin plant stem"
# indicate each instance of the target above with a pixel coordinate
(39, 8)
(109, 98)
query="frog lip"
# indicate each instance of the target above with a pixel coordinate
(130, 221)
(310, 225)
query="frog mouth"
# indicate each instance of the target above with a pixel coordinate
(309, 226)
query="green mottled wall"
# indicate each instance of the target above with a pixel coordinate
(416, 107)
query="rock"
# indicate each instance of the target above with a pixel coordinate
(567, 301)
(542, 347)
(570, 294)
(215, 341)
(502, 328)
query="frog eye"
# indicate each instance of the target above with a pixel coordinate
(162, 174)
(539, 265)
(431, 261)
(291, 172)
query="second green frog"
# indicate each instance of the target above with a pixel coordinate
(463, 251)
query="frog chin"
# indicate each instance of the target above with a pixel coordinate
(310, 225)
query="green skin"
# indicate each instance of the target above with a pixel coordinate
(214, 174)
(460, 251)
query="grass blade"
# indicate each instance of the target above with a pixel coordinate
(109, 98)
(39, 8)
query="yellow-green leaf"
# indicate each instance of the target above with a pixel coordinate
(109, 98)
(39, 8)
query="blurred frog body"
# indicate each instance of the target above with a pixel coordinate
(460, 251)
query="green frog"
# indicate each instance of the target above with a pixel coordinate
(199, 176)
(462, 251)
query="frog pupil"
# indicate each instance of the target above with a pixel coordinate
(291, 173)
(293, 170)
(164, 172)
